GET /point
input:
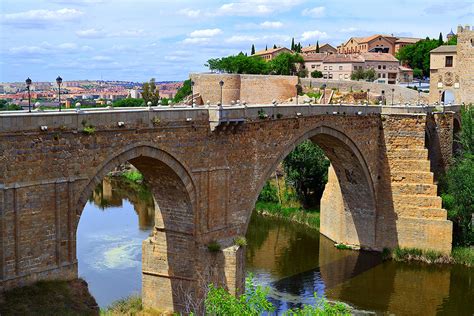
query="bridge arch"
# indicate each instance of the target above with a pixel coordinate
(168, 272)
(350, 189)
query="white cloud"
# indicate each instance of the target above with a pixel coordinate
(206, 33)
(242, 38)
(190, 12)
(271, 25)
(44, 48)
(314, 12)
(196, 40)
(313, 35)
(95, 33)
(101, 58)
(41, 17)
(256, 7)
(348, 30)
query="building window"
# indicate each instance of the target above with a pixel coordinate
(325, 76)
(383, 75)
(330, 67)
(346, 76)
(313, 66)
(384, 67)
(330, 76)
(380, 67)
(449, 61)
(325, 67)
(340, 67)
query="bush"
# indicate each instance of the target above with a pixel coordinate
(129, 102)
(133, 176)
(316, 74)
(183, 92)
(240, 241)
(214, 246)
(269, 193)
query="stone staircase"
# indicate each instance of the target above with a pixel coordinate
(413, 189)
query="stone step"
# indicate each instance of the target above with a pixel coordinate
(408, 154)
(414, 189)
(419, 177)
(405, 201)
(426, 213)
(410, 165)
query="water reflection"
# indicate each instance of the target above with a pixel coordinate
(294, 261)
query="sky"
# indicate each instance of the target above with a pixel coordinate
(135, 40)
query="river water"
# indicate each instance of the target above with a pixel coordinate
(293, 261)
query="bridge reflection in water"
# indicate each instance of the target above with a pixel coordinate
(294, 262)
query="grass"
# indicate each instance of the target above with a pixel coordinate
(310, 218)
(131, 306)
(50, 298)
(214, 246)
(240, 241)
(464, 255)
(133, 176)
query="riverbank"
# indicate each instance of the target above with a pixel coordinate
(49, 298)
(310, 218)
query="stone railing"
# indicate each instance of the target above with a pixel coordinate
(143, 117)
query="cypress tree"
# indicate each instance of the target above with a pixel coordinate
(293, 44)
(274, 46)
(252, 52)
(440, 39)
(317, 46)
(266, 47)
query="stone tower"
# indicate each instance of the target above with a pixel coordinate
(465, 66)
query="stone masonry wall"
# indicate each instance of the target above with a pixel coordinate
(206, 185)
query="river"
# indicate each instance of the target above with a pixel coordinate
(293, 261)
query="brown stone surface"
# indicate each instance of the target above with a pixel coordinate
(380, 192)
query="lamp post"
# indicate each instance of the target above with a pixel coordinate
(221, 83)
(383, 97)
(192, 93)
(297, 86)
(368, 96)
(324, 93)
(59, 80)
(28, 84)
(393, 92)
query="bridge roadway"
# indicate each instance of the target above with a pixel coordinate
(205, 168)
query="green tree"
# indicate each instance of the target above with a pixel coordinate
(418, 55)
(183, 92)
(317, 46)
(252, 52)
(274, 46)
(418, 73)
(285, 64)
(457, 186)
(293, 44)
(239, 64)
(440, 39)
(453, 40)
(306, 170)
(268, 193)
(369, 75)
(151, 93)
(128, 102)
(6, 106)
(266, 47)
(316, 74)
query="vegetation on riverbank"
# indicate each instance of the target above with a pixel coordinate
(50, 298)
(306, 217)
(459, 255)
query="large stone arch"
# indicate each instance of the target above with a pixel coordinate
(348, 205)
(168, 255)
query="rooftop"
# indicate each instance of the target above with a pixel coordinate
(343, 58)
(378, 57)
(313, 47)
(445, 49)
(408, 40)
(269, 51)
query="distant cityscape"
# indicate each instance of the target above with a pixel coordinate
(91, 92)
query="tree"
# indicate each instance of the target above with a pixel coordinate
(252, 52)
(317, 74)
(360, 74)
(128, 102)
(440, 39)
(274, 46)
(293, 44)
(317, 46)
(285, 64)
(5, 106)
(302, 73)
(266, 47)
(151, 93)
(183, 92)
(269, 193)
(418, 73)
(453, 40)
(306, 170)
(369, 75)
(239, 64)
(418, 55)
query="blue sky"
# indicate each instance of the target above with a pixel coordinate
(139, 39)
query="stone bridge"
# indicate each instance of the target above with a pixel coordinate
(206, 167)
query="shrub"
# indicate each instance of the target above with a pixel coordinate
(89, 130)
(133, 176)
(240, 241)
(316, 74)
(261, 114)
(269, 193)
(214, 246)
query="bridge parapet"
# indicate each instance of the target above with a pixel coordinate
(19, 121)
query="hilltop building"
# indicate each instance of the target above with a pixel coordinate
(269, 54)
(451, 70)
(323, 48)
(375, 44)
(341, 66)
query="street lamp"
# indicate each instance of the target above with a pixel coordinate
(59, 80)
(324, 93)
(393, 92)
(383, 97)
(28, 84)
(368, 97)
(297, 86)
(221, 83)
(192, 93)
